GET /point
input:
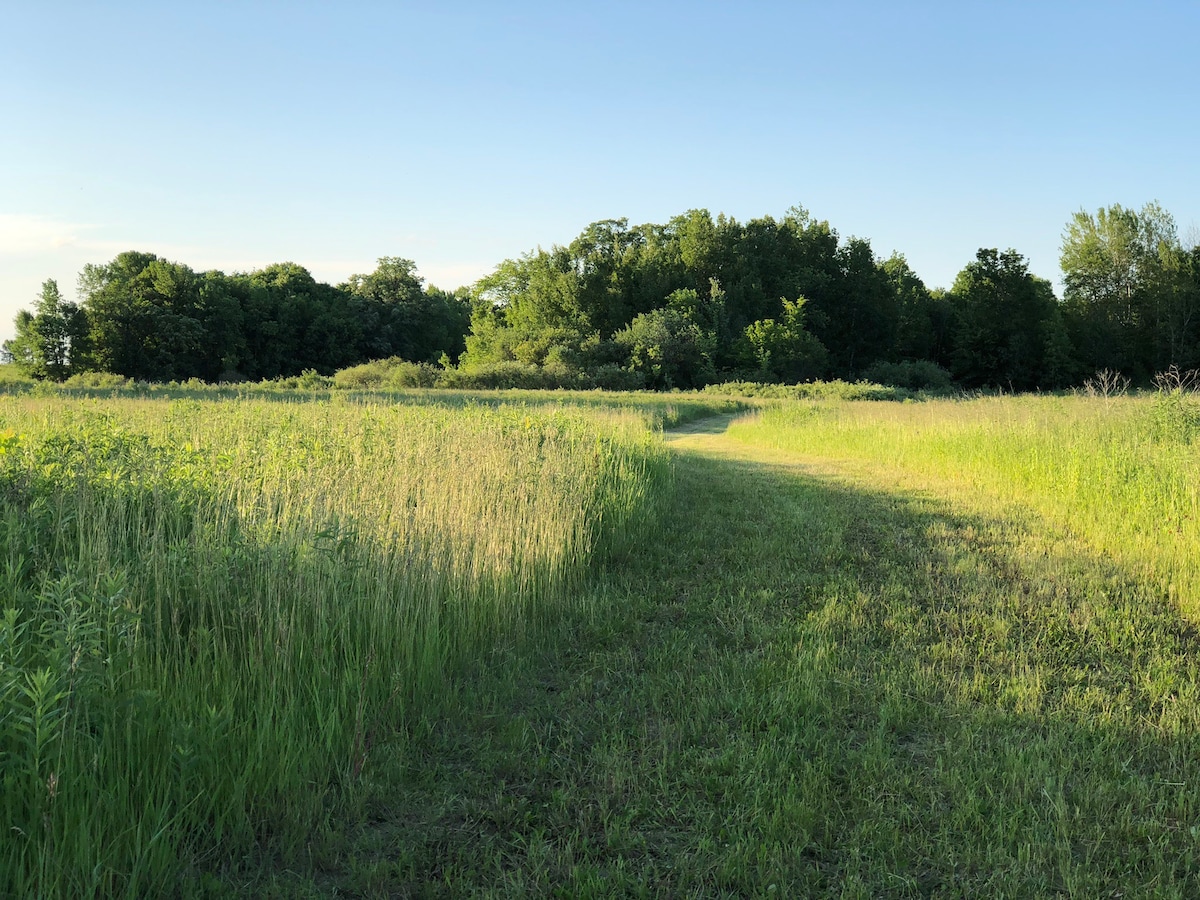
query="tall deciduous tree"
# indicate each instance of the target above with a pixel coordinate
(1007, 327)
(145, 317)
(917, 335)
(399, 316)
(293, 322)
(51, 341)
(1121, 301)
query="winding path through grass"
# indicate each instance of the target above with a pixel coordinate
(819, 681)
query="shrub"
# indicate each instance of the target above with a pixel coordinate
(502, 375)
(611, 377)
(387, 373)
(97, 380)
(1175, 415)
(312, 380)
(812, 390)
(913, 375)
(10, 373)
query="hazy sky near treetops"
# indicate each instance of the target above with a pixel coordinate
(233, 135)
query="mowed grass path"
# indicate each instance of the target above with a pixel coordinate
(817, 682)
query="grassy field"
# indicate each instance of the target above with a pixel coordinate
(213, 611)
(1122, 474)
(443, 649)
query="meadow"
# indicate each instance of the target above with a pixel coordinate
(510, 644)
(213, 610)
(1121, 474)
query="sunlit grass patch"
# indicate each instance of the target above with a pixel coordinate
(1122, 474)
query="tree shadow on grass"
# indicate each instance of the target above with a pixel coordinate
(805, 688)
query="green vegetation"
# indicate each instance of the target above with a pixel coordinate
(828, 680)
(144, 317)
(12, 375)
(811, 390)
(508, 643)
(212, 613)
(680, 305)
(1121, 474)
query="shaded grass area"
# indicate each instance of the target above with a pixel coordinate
(806, 687)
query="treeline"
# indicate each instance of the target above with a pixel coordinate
(146, 318)
(701, 299)
(691, 302)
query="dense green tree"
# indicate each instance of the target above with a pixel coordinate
(565, 300)
(292, 322)
(50, 342)
(145, 318)
(1107, 258)
(708, 311)
(669, 349)
(399, 316)
(1176, 309)
(525, 308)
(916, 335)
(1007, 327)
(861, 310)
(606, 259)
(783, 350)
(678, 304)
(1127, 297)
(156, 320)
(224, 321)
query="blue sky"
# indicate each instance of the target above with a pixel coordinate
(233, 135)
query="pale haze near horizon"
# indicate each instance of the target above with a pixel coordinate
(233, 136)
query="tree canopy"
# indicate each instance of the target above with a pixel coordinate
(147, 318)
(1131, 298)
(681, 304)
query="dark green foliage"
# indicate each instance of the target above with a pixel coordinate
(682, 304)
(863, 313)
(701, 298)
(669, 349)
(688, 300)
(145, 318)
(922, 324)
(397, 316)
(1006, 324)
(782, 350)
(1132, 299)
(914, 375)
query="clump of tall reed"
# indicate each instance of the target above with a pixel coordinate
(214, 611)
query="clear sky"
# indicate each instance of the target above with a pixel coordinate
(232, 135)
